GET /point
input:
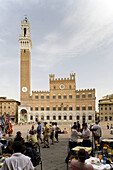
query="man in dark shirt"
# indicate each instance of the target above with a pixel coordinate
(18, 137)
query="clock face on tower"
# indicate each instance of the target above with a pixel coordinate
(62, 86)
(24, 89)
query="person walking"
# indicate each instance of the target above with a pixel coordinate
(56, 132)
(78, 125)
(46, 135)
(39, 130)
(52, 135)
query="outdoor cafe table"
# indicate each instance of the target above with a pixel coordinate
(77, 148)
(97, 166)
(107, 140)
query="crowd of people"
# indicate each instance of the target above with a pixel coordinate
(46, 135)
(84, 132)
(50, 132)
(24, 148)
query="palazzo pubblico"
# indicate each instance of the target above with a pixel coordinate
(63, 103)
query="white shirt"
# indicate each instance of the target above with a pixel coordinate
(98, 131)
(56, 128)
(86, 132)
(17, 161)
(74, 135)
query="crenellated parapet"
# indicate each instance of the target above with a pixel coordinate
(52, 78)
(85, 90)
(40, 92)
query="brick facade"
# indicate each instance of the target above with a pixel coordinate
(62, 103)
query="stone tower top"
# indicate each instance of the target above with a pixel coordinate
(24, 38)
(52, 77)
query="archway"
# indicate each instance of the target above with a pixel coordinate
(24, 115)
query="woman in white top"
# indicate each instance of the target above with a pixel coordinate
(74, 136)
(86, 136)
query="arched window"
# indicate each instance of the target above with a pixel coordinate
(78, 117)
(65, 117)
(54, 117)
(47, 117)
(24, 32)
(59, 117)
(89, 95)
(36, 97)
(70, 108)
(90, 107)
(31, 117)
(90, 117)
(70, 117)
(83, 96)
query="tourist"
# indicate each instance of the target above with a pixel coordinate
(86, 136)
(39, 130)
(56, 132)
(80, 164)
(52, 135)
(17, 160)
(18, 137)
(32, 130)
(98, 132)
(107, 125)
(74, 136)
(33, 140)
(46, 135)
(1, 133)
(78, 126)
(111, 127)
(65, 131)
(75, 124)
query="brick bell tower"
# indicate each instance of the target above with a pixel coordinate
(25, 61)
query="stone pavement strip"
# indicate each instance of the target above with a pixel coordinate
(53, 158)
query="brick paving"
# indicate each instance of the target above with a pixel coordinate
(53, 158)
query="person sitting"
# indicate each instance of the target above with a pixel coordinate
(18, 137)
(17, 160)
(65, 131)
(4, 143)
(9, 149)
(80, 164)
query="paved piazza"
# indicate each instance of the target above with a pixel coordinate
(53, 158)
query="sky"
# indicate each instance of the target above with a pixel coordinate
(68, 36)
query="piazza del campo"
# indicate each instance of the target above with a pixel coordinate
(51, 128)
